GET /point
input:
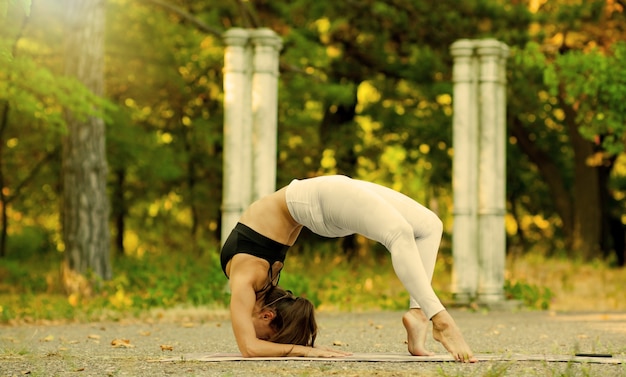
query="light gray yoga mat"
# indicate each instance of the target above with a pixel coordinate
(396, 357)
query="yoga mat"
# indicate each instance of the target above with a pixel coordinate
(396, 357)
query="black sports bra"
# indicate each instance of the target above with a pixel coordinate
(246, 240)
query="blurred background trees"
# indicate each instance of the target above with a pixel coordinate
(365, 90)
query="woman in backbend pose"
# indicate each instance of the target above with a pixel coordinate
(268, 321)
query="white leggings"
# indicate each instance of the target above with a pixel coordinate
(337, 206)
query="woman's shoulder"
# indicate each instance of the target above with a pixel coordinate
(248, 268)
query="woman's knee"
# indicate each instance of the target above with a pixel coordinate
(436, 225)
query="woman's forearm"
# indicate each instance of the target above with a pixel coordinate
(263, 348)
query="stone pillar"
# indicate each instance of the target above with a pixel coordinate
(237, 128)
(479, 175)
(250, 107)
(491, 174)
(465, 179)
(267, 46)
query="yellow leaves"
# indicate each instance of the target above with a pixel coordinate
(121, 343)
(315, 108)
(534, 5)
(393, 157)
(164, 137)
(129, 102)
(167, 204)
(333, 52)
(295, 141)
(559, 114)
(323, 27)
(424, 148)
(73, 299)
(444, 99)
(596, 159)
(367, 94)
(186, 121)
(368, 126)
(328, 161)
(12, 142)
(120, 299)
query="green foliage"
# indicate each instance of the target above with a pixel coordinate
(179, 280)
(531, 295)
(596, 88)
(28, 243)
(18, 277)
(300, 285)
(31, 291)
(35, 91)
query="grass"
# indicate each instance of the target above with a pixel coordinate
(575, 286)
(30, 290)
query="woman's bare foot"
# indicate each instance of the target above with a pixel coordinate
(416, 325)
(446, 332)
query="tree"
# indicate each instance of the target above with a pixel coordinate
(32, 96)
(568, 116)
(85, 204)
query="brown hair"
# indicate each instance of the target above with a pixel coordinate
(294, 322)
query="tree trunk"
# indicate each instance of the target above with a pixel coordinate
(337, 132)
(4, 123)
(587, 229)
(85, 205)
(552, 175)
(119, 210)
(4, 120)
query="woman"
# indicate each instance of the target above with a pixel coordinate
(269, 322)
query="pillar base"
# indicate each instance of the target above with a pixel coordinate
(502, 306)
(476, 305)
(490, 297)
(463, 299)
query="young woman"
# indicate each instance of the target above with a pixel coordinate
(268, 321)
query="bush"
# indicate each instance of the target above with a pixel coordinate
(28, 243)
(19, 277)
(168, 280)
(532, 295)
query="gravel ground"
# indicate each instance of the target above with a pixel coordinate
(87, 350)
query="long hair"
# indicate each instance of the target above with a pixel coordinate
(294, 321)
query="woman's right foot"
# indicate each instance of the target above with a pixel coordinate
(446, 332)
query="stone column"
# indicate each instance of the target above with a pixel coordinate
(250, 108)
(479, 168)
(465, 160)
(491, 175)
(267, 45)
(237, 129)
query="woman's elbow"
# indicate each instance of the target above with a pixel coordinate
(247, 354)
(251, 350)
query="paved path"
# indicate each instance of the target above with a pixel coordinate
(86, 350)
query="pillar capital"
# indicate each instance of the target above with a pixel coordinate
(462, 48)
(489, 48)
(266, 37)
(236, 37)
